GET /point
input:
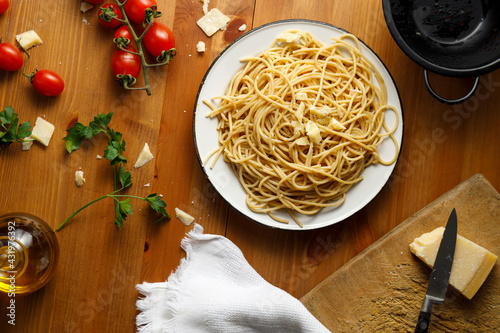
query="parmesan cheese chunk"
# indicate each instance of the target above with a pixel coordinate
(28, 39)
(288, 37)
(302, 141)
(200, 47)
(301, 96)
(85, 6)
(313, 132)
(211, 22)
(471, 263)
(242, 27)
(183, 216)
(298, 128)
(300, 111)
(321, 112)
(42, 131)
(144, 157)
(26, 145)
(336, 125)
(79, 180)
(205, 6)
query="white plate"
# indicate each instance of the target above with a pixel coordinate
(215, 83)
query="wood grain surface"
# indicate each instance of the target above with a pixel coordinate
(94, 288)
(382, 289)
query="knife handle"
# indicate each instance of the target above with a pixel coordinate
(423, 322)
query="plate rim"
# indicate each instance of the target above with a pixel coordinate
(215, 61)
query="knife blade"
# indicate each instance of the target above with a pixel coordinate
(440, 276)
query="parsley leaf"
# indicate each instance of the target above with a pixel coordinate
(157, 203)
(7, 115)
(124, 208)
(125, 177)
(78, 131)
(102, 120)
(74, 137)
(9, 131)
(24, 130)
(113, 152)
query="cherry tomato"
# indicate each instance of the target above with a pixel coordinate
(123, 62)
(4, 5)
(159, 38)
(124, 32)
(113, 23)
(120, 34)
(48, 83)
(94, 2)
(11, 58)
(135, 9)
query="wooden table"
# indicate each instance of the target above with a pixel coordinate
(94, 288)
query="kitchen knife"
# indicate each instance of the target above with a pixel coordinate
(438, 282)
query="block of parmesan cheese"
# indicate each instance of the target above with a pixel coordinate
(42, 131)
(28, 39)
(213, 21)
(471, 264)
(183, 216)
(79, 180)
(144, 156)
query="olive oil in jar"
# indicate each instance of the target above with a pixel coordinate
(29, 252)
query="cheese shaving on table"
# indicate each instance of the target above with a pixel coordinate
(42, 131)
(79, 180)
(85, 6)
(205, 6)
(26, 145)
(200, 47)
(213, 21)
(144, 157)
(29, 39)
(183, 216)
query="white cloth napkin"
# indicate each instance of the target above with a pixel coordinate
(214, 289)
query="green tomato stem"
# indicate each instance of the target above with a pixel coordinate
(120, 47)
(140, 52)
(30, 76)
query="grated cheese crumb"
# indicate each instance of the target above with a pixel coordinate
(79, 180)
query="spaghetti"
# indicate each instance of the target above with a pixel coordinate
(300, 122)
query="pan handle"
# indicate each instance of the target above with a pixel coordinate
(449, 101)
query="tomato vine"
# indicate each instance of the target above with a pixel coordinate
(127, 80)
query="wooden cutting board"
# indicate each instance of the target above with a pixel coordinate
(382, 289)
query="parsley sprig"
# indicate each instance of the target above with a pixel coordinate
(10, 131)
(114, 153)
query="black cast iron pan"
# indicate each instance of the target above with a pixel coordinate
(457, 38)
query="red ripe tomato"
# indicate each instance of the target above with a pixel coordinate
(120, 34)
(48, 83)
(124, 32)
(135, 9)
(159, 38)
(4, 5)
(123, 62)
(94, 2)
(113, 23)
(11, 58)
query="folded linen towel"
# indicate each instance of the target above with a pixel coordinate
(214, 289)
